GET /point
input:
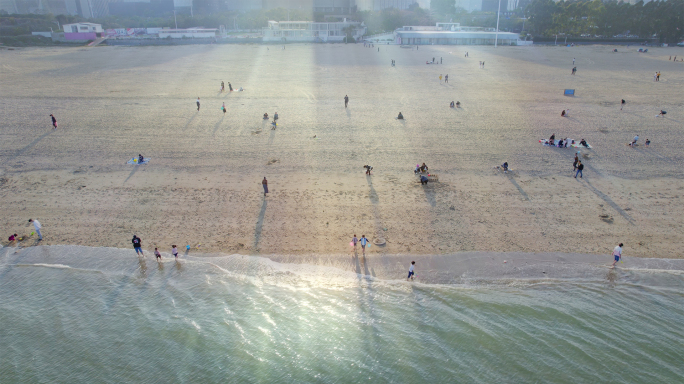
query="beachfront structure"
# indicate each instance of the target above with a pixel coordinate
(378, 5)
(309, 31)
(454, 38)
(188, 33)
(82, 31)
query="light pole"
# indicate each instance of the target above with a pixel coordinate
(174, 18)
(496, 38)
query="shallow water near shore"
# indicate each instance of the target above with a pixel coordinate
(80, 314)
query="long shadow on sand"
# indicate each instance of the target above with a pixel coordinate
(259, 226)
(132, 173)
(190, 120)
(33, 143)
(429, 195)
(375, 201)
(609, 201)
(218, 125)
(515, 184)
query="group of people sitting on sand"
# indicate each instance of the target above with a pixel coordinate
(457, 105)
(563, 143)
(420, 168)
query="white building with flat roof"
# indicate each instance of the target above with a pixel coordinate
(82, 28)
(310, 31)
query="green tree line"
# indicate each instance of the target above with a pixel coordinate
(661, 19)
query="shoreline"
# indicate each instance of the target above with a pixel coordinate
(459, 268)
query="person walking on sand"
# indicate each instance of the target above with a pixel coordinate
(446, 78)
(137, 245)
(198, 104)
(363, 242)
(264, 182)
(223, 86)
(440, 79)
(580, 167)
(37, 227)
(346, 100)
(230, 87)
(617, 254)
(54, 121)
(157, 254)
(573, 61)
(622, 104)
(354, 241)
(411, 274)
(574, 164)
(223, 107)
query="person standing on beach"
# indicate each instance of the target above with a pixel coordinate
(354, 241)
(622, 104)
(174, 251)
(440, 79)
(411, 274)
(37, 227)
(157, 253)
(223, 86)
(230, 87)
(198, 104)
(574, 164)
(363, 242)
(580, 167)
(264, 182)
(137, 245)
(446, 78)
(617, 254)
(346, 100)
(658, 76)
(573, 61)
(54, 121)
(223, 107)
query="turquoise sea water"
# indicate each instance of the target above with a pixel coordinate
(93, 315)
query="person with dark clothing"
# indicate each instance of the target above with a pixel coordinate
(230, 87)
(140, 159)
(552, 139)
(580, 167)
(264, 183)
(400, 117)
(54, 121)
(451, 105)
(137, 244)
(423, 180)
(223, 86)
(346, 100)
(574, 164)
(584, 143)
(446, 78)
(648, 141)
(505, 167)
(198, 103)
(622, 104)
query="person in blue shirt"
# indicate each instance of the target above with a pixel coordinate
(363, 242)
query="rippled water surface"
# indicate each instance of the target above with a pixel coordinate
(78, 314)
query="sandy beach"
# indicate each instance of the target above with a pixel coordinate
(203, 182)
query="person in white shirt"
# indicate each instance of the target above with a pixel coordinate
(617, 254)
(411, 274)
(37, 226)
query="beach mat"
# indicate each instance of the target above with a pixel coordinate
(134, 161)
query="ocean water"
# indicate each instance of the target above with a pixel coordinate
(98, 315)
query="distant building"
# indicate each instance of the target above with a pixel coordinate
(242, 5)
(334, 7)
(452, 34)
(141, 8)
(82, 31)
(379, 5)
(309, 31)
(190, 33)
